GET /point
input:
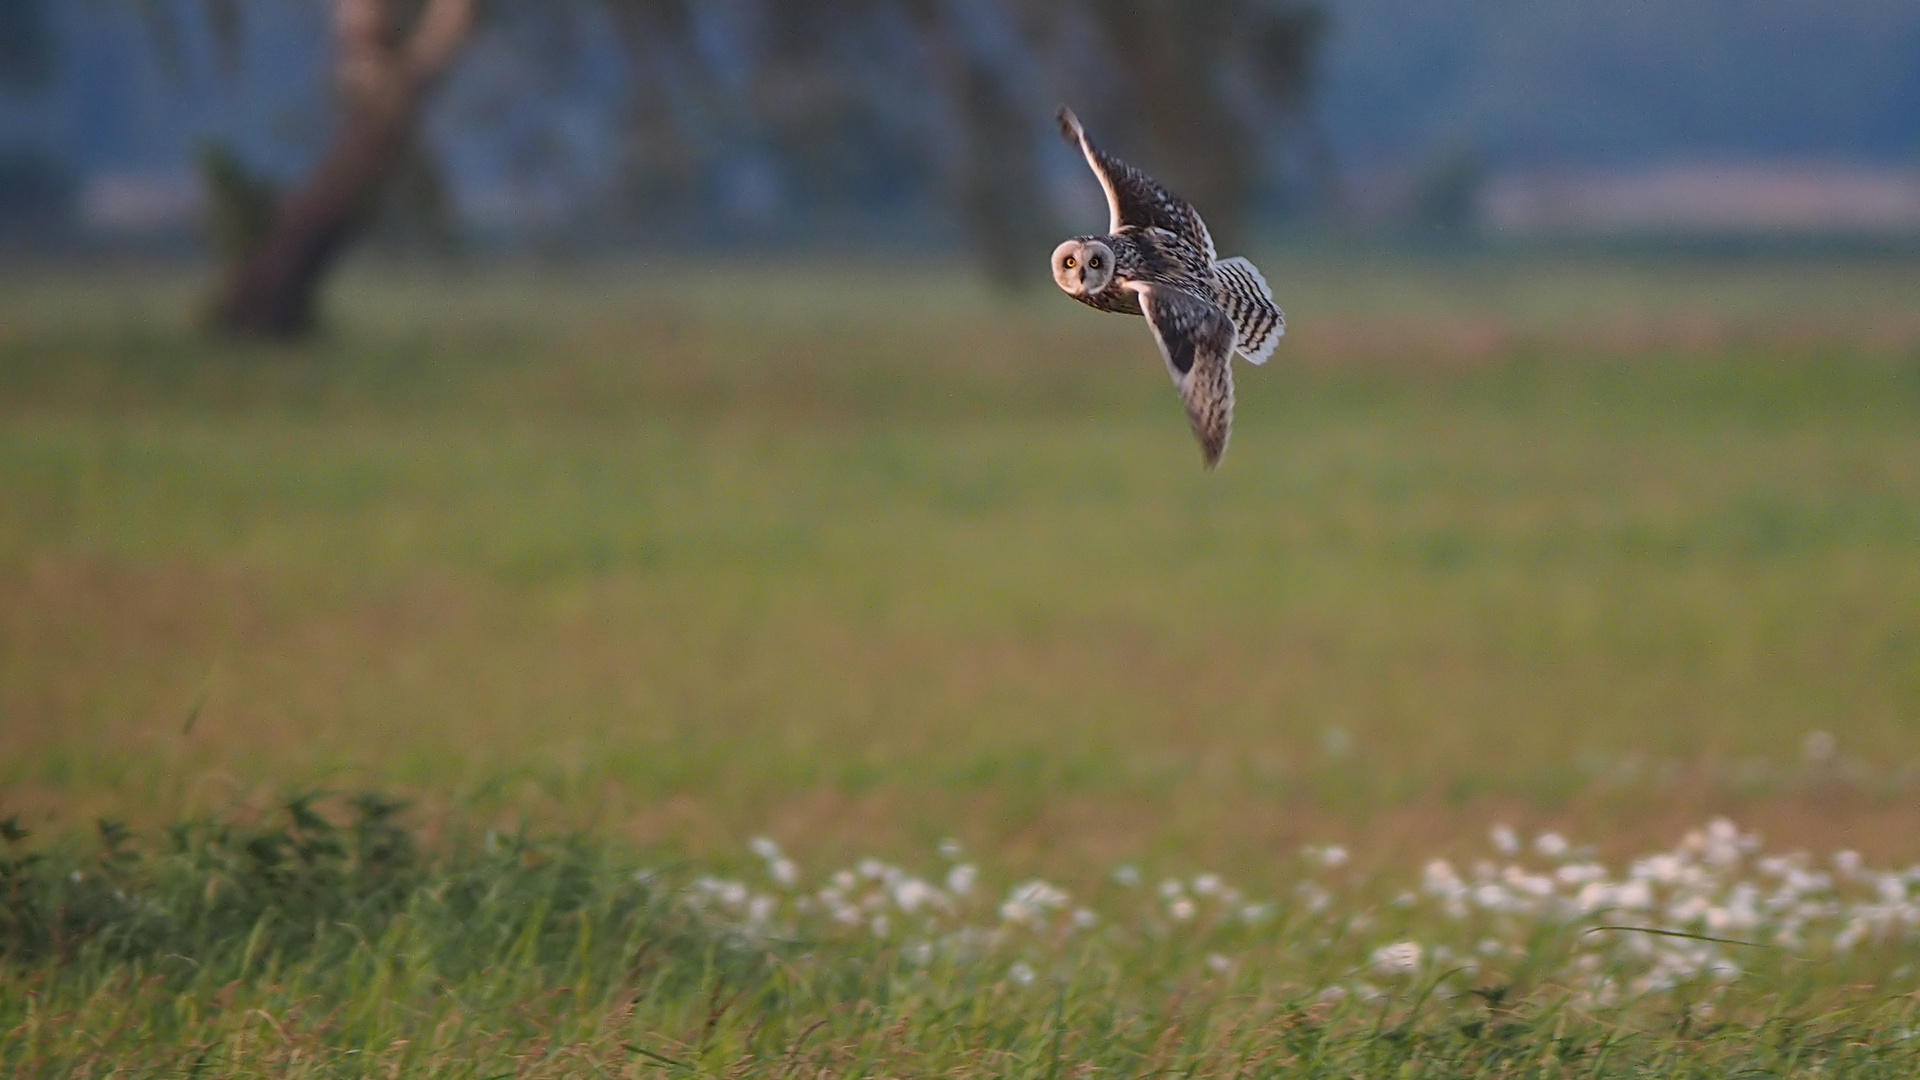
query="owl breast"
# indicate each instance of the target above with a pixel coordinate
(1116, 298)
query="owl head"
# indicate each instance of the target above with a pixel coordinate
(1083, 266)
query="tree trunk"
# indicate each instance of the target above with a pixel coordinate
(993, 184)
(385, 73)
(1190, 142)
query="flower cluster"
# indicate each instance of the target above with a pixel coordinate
(1671, 917)
(1694, 914)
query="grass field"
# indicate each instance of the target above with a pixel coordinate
(1604, 546)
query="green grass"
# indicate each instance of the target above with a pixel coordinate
(319, 943)
(868, 563)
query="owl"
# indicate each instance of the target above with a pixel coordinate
(1157, 260)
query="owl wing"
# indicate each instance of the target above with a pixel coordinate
(1133, 197)
(1197, 339)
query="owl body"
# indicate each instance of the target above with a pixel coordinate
(1146, 256)
(1157, 259)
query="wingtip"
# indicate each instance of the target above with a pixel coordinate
(1070, 128)
(1211, 453)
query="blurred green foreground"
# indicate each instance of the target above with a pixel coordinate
(864, 559)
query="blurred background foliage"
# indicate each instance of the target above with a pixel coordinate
(662, 121)
(670, 125)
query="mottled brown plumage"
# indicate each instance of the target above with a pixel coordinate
(1157, 259)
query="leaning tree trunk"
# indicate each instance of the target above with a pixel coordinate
(385, 71)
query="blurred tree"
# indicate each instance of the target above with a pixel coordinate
(36, 194)
(240, 203)
(26, 46)
(388, 56)
(992, 181)
(1181, 62)
(739, 110)
(965, 91)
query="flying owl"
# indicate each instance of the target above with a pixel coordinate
(1157, 260)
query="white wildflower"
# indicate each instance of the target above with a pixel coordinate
(1126, 874)
(1580, 873)
(1689, 909)
(1537, 886)
(960, 879)
(1028, 902)
(911, 894)
(1551, 844)
(1181, 909)
(1021, 973)
(1662, 869)
(1505, 840)
(1399, 958)
(760, 909)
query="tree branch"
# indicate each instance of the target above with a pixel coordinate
(442, 29)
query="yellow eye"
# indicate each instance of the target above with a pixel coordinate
(1094, 263)
(1071, 262)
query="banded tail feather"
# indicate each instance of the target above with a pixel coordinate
(1248, 301)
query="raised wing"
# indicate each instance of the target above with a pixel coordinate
(1196, 338)
(1133, 197)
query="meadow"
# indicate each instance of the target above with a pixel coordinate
(656, 605)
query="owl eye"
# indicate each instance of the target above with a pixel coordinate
(1094, 263)
(1071, 262)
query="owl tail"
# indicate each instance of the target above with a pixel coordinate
(1257, 320)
